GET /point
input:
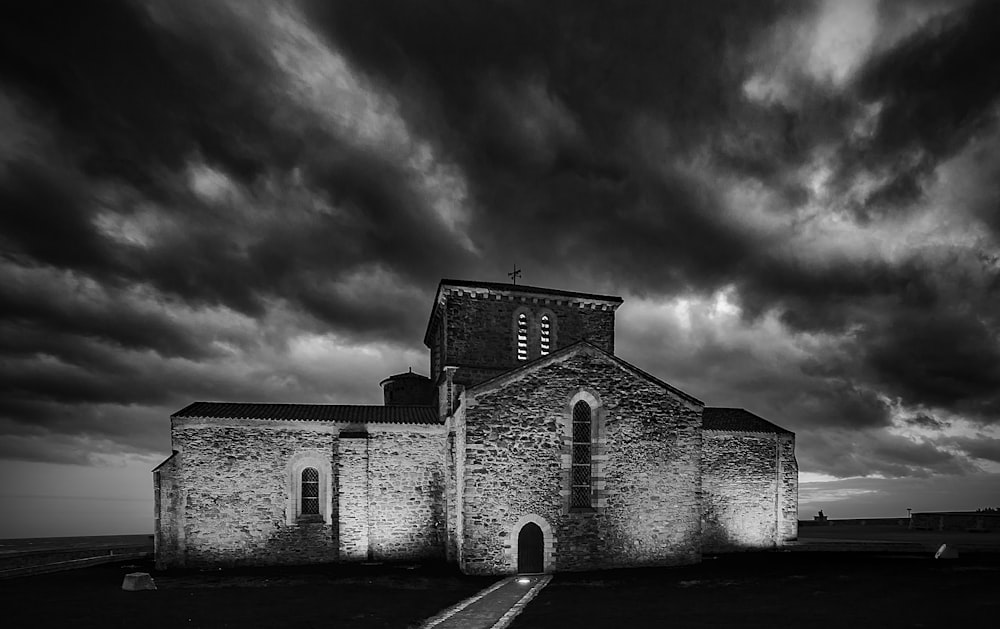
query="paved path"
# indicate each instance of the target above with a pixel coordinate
(493, 608)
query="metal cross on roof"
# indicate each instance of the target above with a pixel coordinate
(513, 275)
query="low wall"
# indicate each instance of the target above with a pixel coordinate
(43, 561)
(903, 522)
(956, 521)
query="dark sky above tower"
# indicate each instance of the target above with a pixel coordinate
(255, 201)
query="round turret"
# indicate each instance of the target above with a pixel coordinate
(407, 389)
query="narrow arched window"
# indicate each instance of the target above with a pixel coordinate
(522, 336)
(546, 335)
(580, 472)
(310, 491)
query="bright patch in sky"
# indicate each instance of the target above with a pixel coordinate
(845, 30)
(356, 110)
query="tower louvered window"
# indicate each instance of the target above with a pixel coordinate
(580, 472)
(546, 341)
(310, 491)
(522, 336)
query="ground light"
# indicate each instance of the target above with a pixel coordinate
(524, 580)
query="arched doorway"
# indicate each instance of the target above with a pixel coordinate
(530, 548)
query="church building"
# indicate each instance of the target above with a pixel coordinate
(530, 448)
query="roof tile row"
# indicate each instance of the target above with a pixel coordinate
(347, 413)
(732, 419)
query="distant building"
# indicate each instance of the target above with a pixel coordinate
(531, 448)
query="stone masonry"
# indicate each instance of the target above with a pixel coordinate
(646, 508)
(456, 466)
(749, 490)
(230, 498)
(474, 327)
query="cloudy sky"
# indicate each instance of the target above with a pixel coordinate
(253, 201)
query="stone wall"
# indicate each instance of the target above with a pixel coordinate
(749, 490)
(352, 497)
(234, 483)
(236, 499)
(451, 448)
(167, 513)
(480, 331)
(406, 494)
(646, 500)
(789, 498)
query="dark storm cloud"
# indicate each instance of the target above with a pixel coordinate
(134, 97)
(38, 319)
(592, 70)
(203, 197)
(980, 447)
(138, 104)
(940, 359)
(936, 92)
(868, 452)
(923, 420)
(939, 86)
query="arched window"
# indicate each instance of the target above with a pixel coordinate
(310, 491)
(581, 473)
(522, 336)
(546, 335)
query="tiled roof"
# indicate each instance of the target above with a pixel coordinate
(738, 420)
(347, 413)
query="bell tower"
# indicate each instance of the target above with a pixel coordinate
(479, 330)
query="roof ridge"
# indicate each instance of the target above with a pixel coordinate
(585, 343)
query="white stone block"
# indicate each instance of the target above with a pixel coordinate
(135, 581)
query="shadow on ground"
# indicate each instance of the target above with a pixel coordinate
(311, 596)
(814, 590)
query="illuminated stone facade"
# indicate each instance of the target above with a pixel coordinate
(528, 424)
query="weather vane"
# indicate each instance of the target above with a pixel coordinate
(513, 275)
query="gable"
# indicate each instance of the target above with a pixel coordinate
(575, 351)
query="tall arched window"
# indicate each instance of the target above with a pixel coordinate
(310, 491)
(546, 335)
(580, 473)
(522, 336)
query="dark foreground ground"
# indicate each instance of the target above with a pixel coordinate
(318, 596)
(784, 589)
(780, 589)
(988, 541)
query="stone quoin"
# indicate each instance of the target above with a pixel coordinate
(530, 442)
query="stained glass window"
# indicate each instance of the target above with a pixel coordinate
(310, 491)
(580, 478)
